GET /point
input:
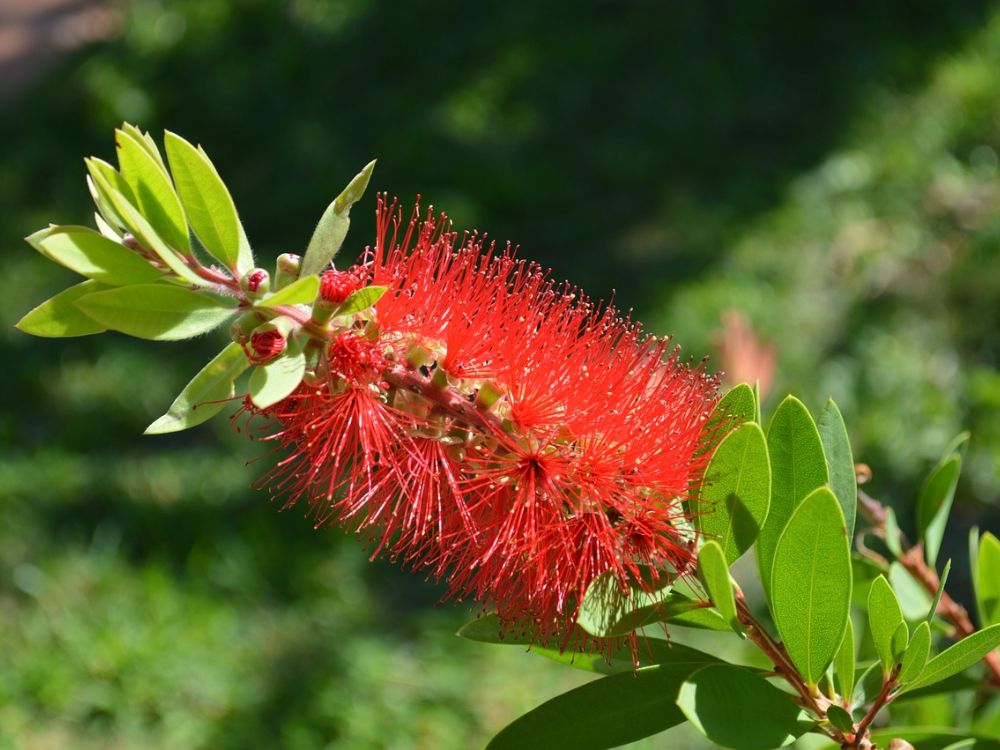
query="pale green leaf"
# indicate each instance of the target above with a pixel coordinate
(913, 597)
(158, 311)
(713, 570)
(935, 500)
(892, 534)
(302, 291)
(916, 654)
(961, 655)
(206, 395)
(987, 580)
(932, 609)
(276, 380)
(102, 180)
(884, 616)
(811, 583)
(361, 300)
(844, 662)
(333, 225)
(93, 255)
(59, 317)
(839, 461)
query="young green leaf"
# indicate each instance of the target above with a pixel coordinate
(333, 225)
(208, 204)
(961, 655)
(987, 580)
(605, 713)
(798, 466)
(93, 255)
(916, 654)
(276, 380)
(738, 709)
(146, 141)
(158, 311)
(840, 718)
(59, 317)
(935, 499)
(844, 661)
(735, 408)
(361, 300)
(155, 196)
(932, 610)
(811, 583)
(913, 597)
(839, 461)
(733, 503)
(713, 569)
(302, 291)
(884, 616)
(206, 395)
(103, 179)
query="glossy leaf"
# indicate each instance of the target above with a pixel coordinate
(839, 461)
(206, 395)
(961, 655)
(916, 654)
(209, 206)
(361, 300)
(301, 291)
(605, 713)
(59, 317)
(733, 503)
(987, 580)
(884, 616)
(844, 662)
(93, 255)
(738, 709)
(738, 406)
(798, 466)
(936, 497)
(713, 570)
(158, 311)
(276, 380)
(155, 196)
(811, 583)
(333, 225)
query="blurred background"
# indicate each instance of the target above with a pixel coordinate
(808, 193)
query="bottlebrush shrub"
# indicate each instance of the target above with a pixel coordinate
(541, 455)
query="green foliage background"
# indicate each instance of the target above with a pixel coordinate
(832, 171)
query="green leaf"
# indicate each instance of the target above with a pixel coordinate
(103, 180)
(276, 380)
(916, 654)
(302, 291)
(694, 616)
(361, 300)
(884, 616)
(987, 580)
(607, 612)
(840, 718)
(605, 713)
(932, 609)
(732, 504)
(714, 572)
(738, 709)
(158, 311)
(333, 225)
(963, 654)
(738, 406)
(892, 535)
(913, 597)
(811, 583)
(839, 461)
(798, 466)
(206, 395)
(59, 317)
(868, 685)
(651, 650)
(933, 738)
(934, 504)
(155, 196)
(93, 255)
(208, 204)
(844, 661)
(146, 141)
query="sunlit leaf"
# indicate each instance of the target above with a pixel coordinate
(59, 316)
(333, 225)
(158, 311)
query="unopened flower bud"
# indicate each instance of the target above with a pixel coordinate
(256, 282)
(268, 341)
(131, 242)
(337, 286)
(287, 270)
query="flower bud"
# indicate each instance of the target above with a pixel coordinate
(268, 341)
(337, 286)
(287, 270)
(256, 282)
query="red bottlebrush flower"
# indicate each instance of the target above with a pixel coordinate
(500, 431)
(266, 345)
(337, 286)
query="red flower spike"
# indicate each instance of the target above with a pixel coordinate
(573, 468)
(337, 286)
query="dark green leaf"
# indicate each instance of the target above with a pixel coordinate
(158, 311)
(844, 661)
(840, 718)
(333, 225)
(208, 204)
(798, 466)
(811, 583)
(93, 255)
(953, 660)
(733, 503)
(934, 503)
(605, 713)
(276, 380)
(153, 191)
(714, 572)
(916, 654)
(884, 616)
(361, 300)
(302, 291)
(738, 709)
(59, 317)
(839, 461)
(988, 580)
(206, 395)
